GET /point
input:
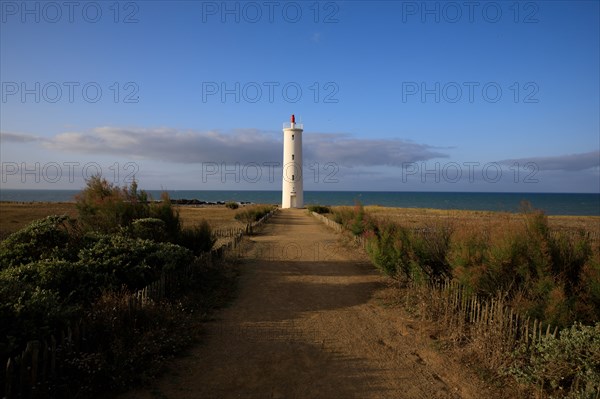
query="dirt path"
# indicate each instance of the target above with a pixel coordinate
(312, 320)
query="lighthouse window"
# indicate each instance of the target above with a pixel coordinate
(292, 137)
(292, 157)
(293, 176)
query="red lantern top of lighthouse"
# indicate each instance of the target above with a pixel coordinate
(292, 124)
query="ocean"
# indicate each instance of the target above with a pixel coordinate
(550, 203)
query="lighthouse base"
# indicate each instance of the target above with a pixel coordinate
(292, 201)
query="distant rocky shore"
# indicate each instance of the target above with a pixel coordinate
(183, 201)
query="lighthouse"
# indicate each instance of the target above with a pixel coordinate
(292, 194)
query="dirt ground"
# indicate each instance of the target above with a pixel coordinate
(313, 319)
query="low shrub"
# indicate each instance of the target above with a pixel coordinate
(569, 364)
(321, 209)
(50, 237)
(116, 260)
(385, 248)
(253, 213)
(164, 211)
(232, 205)
(27, 310)
(429, 251)
(197, 239)
(104, 207)
(343, 215)
(149, 229)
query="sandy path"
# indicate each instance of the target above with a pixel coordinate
(311, 321)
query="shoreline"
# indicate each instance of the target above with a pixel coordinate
(17, 214)
(584, 204)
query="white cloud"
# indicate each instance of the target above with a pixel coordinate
(568, 162)
(242, 145)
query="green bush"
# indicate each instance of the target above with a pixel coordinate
(116, 260)
(430, 247)
(51, 237)
(232, 205)
(568, 364)
(198, 239)
(321, 209)
(357, 226)
(28, 311)
(587, 304)
(149, 229)
(569, 255)
(343, 215)
(104, 207)
(165, 211)
(386, 250)
(354, 219)
(253, 214)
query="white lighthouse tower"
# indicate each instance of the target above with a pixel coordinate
(292, 194)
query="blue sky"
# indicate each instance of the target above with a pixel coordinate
(394, 95)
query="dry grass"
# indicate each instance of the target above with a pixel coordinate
(14, 216)
(417, 217)
(218, 216)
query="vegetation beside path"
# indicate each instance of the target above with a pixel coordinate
(512, 270)
(62, 275)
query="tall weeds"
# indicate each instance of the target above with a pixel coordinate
(484, 285)
(552, 276)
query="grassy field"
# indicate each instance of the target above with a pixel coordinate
(418, 217)
(14, 216)
(216, 215)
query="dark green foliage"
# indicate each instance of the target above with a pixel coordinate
(408, 254)
(37, 297)
(357, 227)
(104, 207)
(430, 247)
(387, 251)
(569, 255)
(232, 205)
(108, 209)
(28, 310)
(164, 211)
(116, 260)
(57, 271)
(253, 214)
(354, 219)
(149, 229)
(198, 239)
(51, 270)
(569, 363)
(321, 209)
(51, 237)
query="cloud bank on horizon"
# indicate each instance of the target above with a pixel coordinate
(352, 157)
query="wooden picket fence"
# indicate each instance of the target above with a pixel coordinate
(227, 232)
(328, 222)
(491, 322)
(39, 363)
